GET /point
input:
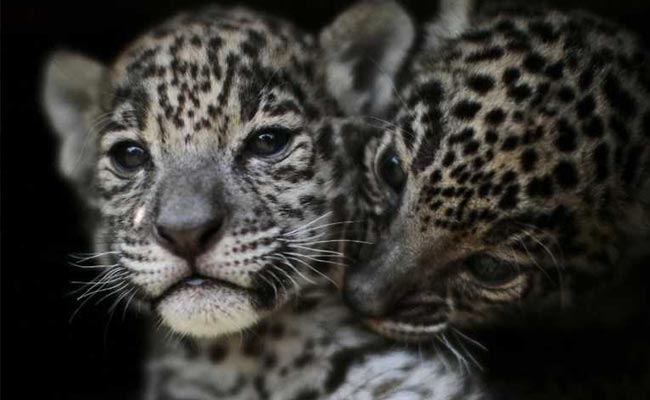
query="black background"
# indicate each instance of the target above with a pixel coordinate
(43, 354)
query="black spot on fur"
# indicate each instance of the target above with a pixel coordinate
(520, 92)
(464, 136)
(471, 147)
(566, 94)
(307, 394)
(477, 36)
(488, 54)
(534, 63)
(585, 107)
(620, 129)
(631, 166)
(448, 159)
(511, 76)
(593, 127)
(567, 138)
(555, 71)
(540, 187)
(430, 93)
(528, 160)
(586, 78)
(495, 116)
(544, 31)
(566, 174)
(491, 137)
(430, 143)
(618, 97)
(344, 359)
(324, 142)
(601, 161)
(480, 83)
(510, 143)
(509, 199)
(466, 109)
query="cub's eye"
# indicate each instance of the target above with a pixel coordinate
(391, 171)
(491, 271)
(268, 142)
(128, 156)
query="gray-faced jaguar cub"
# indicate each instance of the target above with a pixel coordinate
(209, 154)
(514, 176)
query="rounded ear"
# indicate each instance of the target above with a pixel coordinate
(364, 49)
(453, 20)
(366, 46)
(70, 97)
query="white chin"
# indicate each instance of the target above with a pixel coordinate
(207, 311)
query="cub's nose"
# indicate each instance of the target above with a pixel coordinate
(190, 214)
(364, 301)
(368, 291)
(190, 235)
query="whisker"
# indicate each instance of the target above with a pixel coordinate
(314, 237)
(315, 259)
(337, 253)
(288, 264)
(275, 289)
(295, 284)
(94, 292)
(328, 225)
(111, 293)
(469, 339)
(300, 229)
(81, 259)
(467, 352)
(328, 241)
(315, 270)
(456, 353)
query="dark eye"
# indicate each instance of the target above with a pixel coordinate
(268, 142)
(391, 171)
(129, 156)
(491, 271)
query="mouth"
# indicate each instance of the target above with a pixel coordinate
(414, 319)
(206, 307)
(202, 282)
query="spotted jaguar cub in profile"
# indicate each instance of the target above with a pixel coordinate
(515, 175)
(210, 154)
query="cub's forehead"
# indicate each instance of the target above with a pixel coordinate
(206, 36)
(215, 72)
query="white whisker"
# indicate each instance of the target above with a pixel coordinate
(314, 269)
(286, 262)
(300, 229)
(315, 258)
(337, 253)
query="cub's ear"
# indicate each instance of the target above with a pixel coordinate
(70, 94)
(364, 49)
(453, 19)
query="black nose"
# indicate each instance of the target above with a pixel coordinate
(189, 238)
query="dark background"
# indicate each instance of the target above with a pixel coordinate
(43, 354)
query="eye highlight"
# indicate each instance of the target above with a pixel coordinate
(268, 142)
(391, 171)
(490, 271)
(128, 156)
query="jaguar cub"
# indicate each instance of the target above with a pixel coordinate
(210, 154)
(514, 176)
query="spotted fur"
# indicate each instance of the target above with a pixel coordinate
(243, 302)
(526, 147)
